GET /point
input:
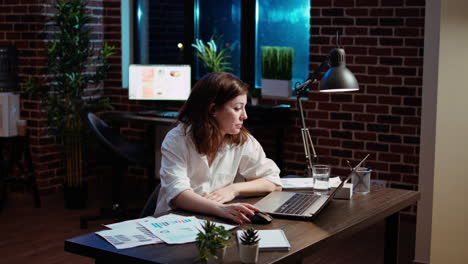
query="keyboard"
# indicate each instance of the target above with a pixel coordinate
(158, 113)
(297, 204)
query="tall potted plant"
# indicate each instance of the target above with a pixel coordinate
(277, 68)
(73, 65)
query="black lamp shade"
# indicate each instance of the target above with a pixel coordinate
(338, 78)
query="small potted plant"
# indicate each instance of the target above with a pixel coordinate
(248, 247)
(212, 242)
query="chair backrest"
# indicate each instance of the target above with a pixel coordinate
(116, 143)
(150, 205)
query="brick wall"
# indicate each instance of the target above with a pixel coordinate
(384, 45)
(23, 25)
(384, 41)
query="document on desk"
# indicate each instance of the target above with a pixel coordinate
(129, 234)
(297, 183)
(177, 229)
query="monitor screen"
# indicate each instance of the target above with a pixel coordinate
(159, 82)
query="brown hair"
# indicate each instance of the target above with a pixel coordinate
(217, 88)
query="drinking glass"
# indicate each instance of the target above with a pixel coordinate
(321, 175)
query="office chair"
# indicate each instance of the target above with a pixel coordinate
(124, 153)
(150, 205)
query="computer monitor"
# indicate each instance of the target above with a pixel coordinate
(159, 82)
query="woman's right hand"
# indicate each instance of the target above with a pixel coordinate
(237, 212)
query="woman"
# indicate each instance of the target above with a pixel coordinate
(210, 158)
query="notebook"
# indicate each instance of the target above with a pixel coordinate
(299, 205)
(270, 240)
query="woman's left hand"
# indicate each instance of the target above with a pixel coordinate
(223, 195)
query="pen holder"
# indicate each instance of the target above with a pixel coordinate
(361, 180)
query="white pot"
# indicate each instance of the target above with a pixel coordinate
(219, 256)
(248, 253)
(276, 88)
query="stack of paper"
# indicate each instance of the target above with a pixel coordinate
(171, 229)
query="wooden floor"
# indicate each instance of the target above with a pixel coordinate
(31, 235)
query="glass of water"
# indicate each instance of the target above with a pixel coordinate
(321, 175)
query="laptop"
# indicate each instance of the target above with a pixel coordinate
(299, 205)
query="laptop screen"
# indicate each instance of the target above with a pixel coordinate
(159, 82)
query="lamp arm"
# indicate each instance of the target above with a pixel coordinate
(313, 77)
(301, 90)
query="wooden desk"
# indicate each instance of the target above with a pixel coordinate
(341, 218)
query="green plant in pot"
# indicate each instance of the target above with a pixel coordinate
(277, 68)
(212, 57)
(248, 247)
(73, 65)
(211, 242)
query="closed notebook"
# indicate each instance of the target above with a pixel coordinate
(270, 240)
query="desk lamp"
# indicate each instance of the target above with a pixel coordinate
(336, 79)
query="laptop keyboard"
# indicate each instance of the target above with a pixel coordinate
(297, 204)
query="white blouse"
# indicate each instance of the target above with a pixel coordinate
(183, 168)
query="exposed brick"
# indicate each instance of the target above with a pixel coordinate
(404, 130)
(353, 126)
(329, 124)
(412, 101)
(328, 142)
(363, 3)
(377, 109)
(402, 149)
(380, 12)
(391, 61)
(380, 51)
(367, 22)
(332, 11)
(390, 80)
(365, 136)
(381, 32)
(411, 159)
(402, 168)
(352, 108)
(365, 41)
(341, 116)
(414, 42)
(377, 165)
(343, 3)
(341, 97)
(412, 120)
(353, 144)
(356, 31)
(378, 128)
(391, 21)
(375, 70)
(388, 157)
(392, 2)
(391, 42)
(341, 134)
(405, 51)
(403, 111)
(377, 146)
(343, 21)
(411, 140)
(341, 153)
(356, 12)
(403, 91)
(364, 117)
(389, 138)
(389, 119)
